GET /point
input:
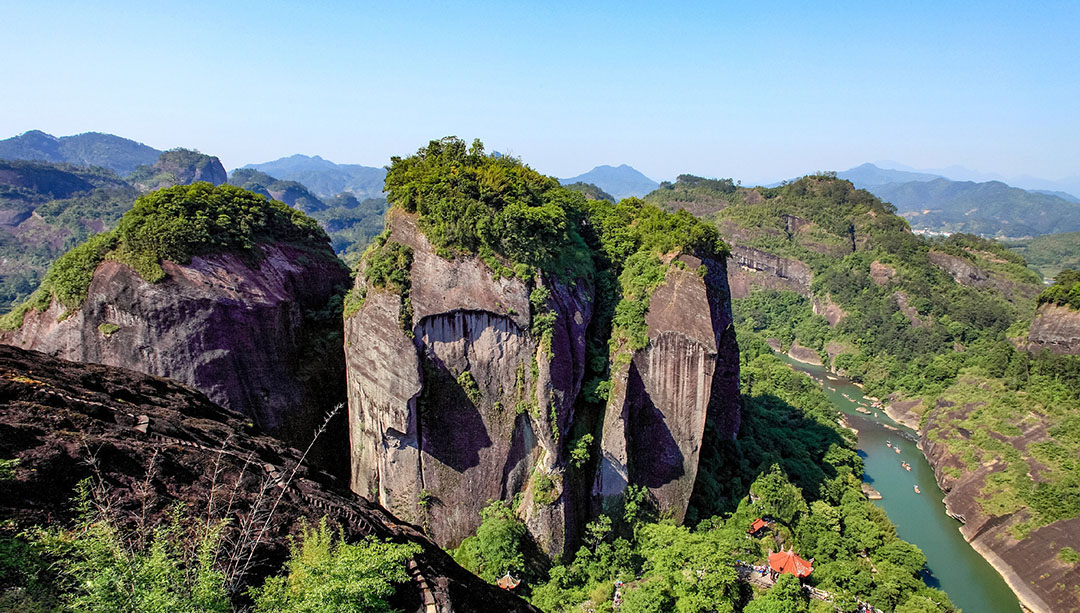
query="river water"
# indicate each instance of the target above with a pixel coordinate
(968, 579)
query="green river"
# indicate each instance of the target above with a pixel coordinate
(952, 564)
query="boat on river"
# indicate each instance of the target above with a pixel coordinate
(917, 490)
(897, 449)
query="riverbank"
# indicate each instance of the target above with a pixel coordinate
(1027, 596)
(974, 576)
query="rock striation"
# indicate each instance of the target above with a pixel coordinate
(1056, 328)
(155, 444)
(239, 330)
(455, 401)
(662, 398)
(756, 269)
(463, 405)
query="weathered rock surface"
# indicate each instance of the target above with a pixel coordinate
(471, 408)
(237, 331)
(960, 269)
(687, 374)
(828, 309)
(751, 269)
(1056, 328)
(1030, 565)
(54, 414)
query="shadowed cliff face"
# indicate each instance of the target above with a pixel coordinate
(471, 408)
(55, 415)
(687, 374)
(241, 333)
(1056, 328)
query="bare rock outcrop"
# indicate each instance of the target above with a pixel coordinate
(1028, 564)
(661, 399)
(156, 444)
(828, 309)
(752, 269)
(960, 269)
(1056, 328)
(237, 330)
(461, 404)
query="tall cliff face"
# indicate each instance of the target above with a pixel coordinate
(1056, 328)
(687, 374)
(240, 332)
(459, 403)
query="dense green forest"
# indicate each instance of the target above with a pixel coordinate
(46, 210)
(939, 323)
(1065, 291)
(800, 468)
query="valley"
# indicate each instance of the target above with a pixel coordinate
(562, 388)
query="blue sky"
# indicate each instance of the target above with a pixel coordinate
(758, 92)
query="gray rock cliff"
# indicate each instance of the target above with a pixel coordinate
(687, 374)
(238, 331)
(472, 407)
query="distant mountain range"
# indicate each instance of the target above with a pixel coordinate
(121, 155)
(619, 181)
(324, 178)
(991, 208)
(1069, 186)
(869, 175)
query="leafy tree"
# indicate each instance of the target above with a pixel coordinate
(324, 573)
(785, 596)
(497, 547)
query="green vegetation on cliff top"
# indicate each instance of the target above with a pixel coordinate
(175, 224)
(935, 321)
(1065, 291)
(803, 471)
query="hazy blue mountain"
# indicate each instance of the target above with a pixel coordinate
(868, 175)
(1062, 195)
(1069, 185)
(991, 208)
(324, 178)
(292, 193)
(121, 155)
(619, 181)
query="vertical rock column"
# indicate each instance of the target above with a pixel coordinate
(660, 402)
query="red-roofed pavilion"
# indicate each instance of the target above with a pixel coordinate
(758, 525)
(789, 562)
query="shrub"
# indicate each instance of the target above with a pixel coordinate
(324, 573)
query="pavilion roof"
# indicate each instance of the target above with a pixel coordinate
(789, 562)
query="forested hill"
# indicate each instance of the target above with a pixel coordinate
(936, 327)
(325, 178)
(992, 208)
(45, 209)
(121, 155)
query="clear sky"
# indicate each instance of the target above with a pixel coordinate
(758, 91)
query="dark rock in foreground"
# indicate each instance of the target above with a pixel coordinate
(57, 415)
